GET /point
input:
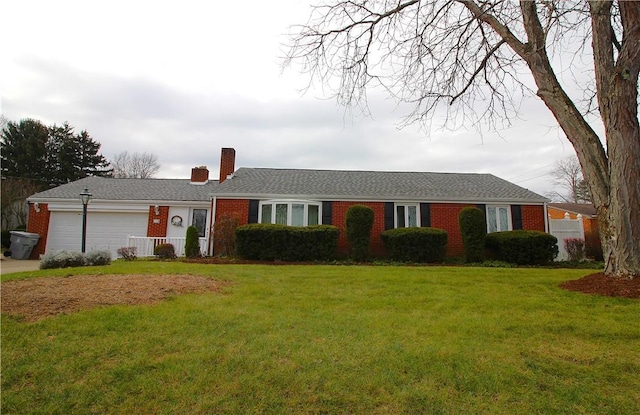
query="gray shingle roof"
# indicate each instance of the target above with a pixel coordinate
(306, 184)
(131, 190)
(374, 186)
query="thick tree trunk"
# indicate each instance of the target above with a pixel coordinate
(614, 177)
(617, 86)
(620, 220)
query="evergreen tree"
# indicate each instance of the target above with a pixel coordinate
(24, 150)
(192, 243)
(50, 155)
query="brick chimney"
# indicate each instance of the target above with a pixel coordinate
(227, 163)
(199, 175)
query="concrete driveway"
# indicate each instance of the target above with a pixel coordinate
(9, 265)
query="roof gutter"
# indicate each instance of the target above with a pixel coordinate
(377, 198)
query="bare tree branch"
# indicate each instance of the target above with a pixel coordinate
(137, 165)
(475, 60)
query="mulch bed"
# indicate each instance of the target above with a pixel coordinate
(37, 298)
(600, 284)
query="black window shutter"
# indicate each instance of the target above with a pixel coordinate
(425, 215)
(253, 210)
(483, 208)
(516, 216)
(389, 222)
(327, 215)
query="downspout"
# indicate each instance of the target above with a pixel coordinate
(212, 221)
(546, 218)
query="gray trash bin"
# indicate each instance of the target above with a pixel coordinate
(22, 244)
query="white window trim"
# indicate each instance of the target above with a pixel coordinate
(290, 203)
(406, 212)
(509, 221)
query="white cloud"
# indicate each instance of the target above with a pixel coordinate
(181, 80)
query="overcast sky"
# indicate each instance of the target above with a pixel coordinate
(183, 79)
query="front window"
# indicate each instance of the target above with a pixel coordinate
(199, 220)
(292, 213)
(313, 217)
(281, 213)
(266, 213)
(407, 216)
(498, 219)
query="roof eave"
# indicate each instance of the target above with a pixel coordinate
(377, 198)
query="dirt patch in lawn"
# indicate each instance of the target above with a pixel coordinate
(36, 298)
(601, 284)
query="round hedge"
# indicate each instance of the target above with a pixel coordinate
(416, 244)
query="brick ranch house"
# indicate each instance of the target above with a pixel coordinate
(148, 208)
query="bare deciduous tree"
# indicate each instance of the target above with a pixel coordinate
(478, 59)
(567, 174)
(13, 195)
(136, 165)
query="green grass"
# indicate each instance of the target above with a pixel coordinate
(335, 340)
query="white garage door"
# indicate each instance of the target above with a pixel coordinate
(105, 231)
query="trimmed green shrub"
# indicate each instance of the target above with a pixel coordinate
(263, 242)
(62, 259)
(192, 243)
(164, 251)
(69, 259)
(473, 227)
(359, 221)
(523, 247)
(96, 258)
(269, 242)
(416, 244)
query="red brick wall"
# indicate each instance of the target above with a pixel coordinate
(157, 230)
(199, 175)
(533, 218)
(339, 212)
(237, 208)
(227, 163)
(39, 223)
(445, 216)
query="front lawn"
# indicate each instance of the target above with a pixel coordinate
(335, 340)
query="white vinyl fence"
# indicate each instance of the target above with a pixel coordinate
(564, 229)
(145, 245)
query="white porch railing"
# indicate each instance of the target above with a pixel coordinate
(144, 245)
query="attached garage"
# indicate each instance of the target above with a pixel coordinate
(105, 230)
